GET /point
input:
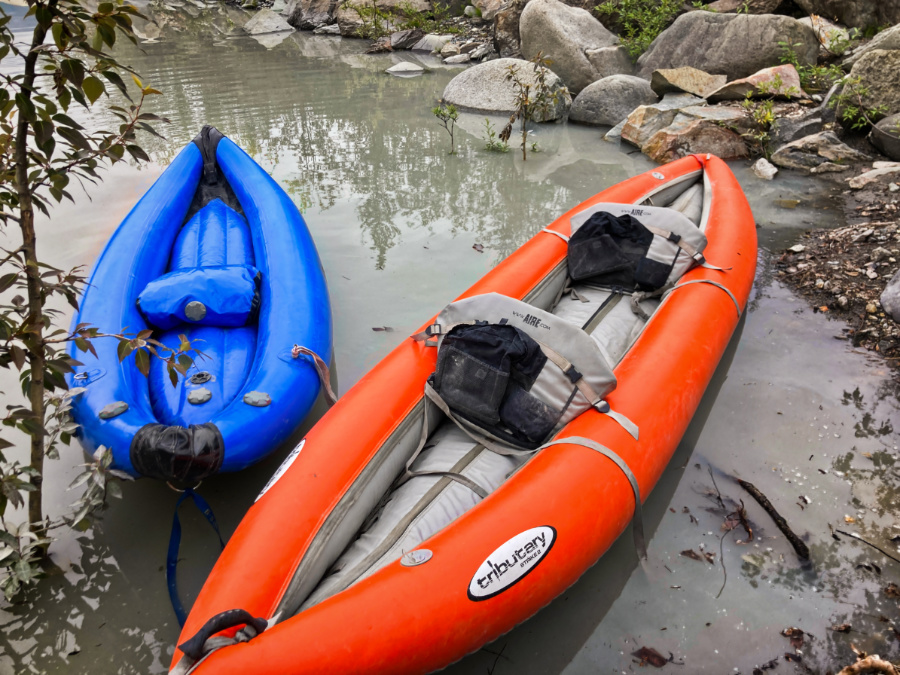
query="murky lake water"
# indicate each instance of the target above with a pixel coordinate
(395, 218)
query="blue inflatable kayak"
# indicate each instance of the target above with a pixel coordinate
(216, 251)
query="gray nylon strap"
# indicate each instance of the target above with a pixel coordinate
(681, 243)
(637, 520)
(486, 441)
(558, 234)
(624, 422)
(458, 477)
(737, 306)
(321, 369)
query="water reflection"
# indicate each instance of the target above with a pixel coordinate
(395, 218)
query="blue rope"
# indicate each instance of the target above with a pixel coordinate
(175, 544)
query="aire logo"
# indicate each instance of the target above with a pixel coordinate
(511, 562)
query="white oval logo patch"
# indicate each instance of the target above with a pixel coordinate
(511, 561)
(285, 465)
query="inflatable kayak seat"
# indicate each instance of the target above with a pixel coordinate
(212, 263)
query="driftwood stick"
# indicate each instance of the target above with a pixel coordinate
(798, 544)
(869, 543)
(870, 664)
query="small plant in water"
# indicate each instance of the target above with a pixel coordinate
(533, 98)
(490, 136)
(447, 116)
(374, 21)
(763, 115)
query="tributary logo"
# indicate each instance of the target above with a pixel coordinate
(512, 561)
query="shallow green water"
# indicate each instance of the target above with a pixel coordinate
(395, 219)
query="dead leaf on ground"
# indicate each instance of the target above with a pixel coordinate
(479, 247)
(843, 628)
(651, 656)
(795, 658)
(710, 557)
(796, 636)
(849, 519)
(892, 591)
(386, 329)
(692, 554)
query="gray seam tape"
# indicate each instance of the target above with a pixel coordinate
(637, 520)
(712, 283)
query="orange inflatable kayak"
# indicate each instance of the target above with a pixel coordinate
(339, 567)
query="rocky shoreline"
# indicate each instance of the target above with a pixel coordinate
(803, 85)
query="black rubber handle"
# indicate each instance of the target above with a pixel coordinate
(233, 617)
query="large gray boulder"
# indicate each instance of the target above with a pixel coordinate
(564, 34)
(819, 153)
(879, 77)
(611, 100)
(747, 6)
(736, 45)
(855, 13)
(890, 298)
(485, 88)
(886, 39)
(310, 14)
(646, 120)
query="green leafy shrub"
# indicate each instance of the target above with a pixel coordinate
(492, 143)
(641, 20)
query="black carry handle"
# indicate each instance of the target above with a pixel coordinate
(233, 617)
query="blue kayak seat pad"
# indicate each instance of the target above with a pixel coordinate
(225, 295)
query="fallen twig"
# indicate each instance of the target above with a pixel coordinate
(798, 544)
(870, 664)
(868, 543)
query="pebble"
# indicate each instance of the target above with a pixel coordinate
(449, 49)
(843, 302)
(765, 169)
(893, 187)
(820, 283)
(872, 308)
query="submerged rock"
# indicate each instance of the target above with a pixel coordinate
(458, 58)
(267, 21)
(819, 153)
(611, 100)
(886, 136)
(686, 79)
(564, 34)
(779, 81)
(736, 45)
(406, 68)
(485, 88)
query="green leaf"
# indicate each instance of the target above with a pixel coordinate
(173, 375)
(124, 349)
(18, 356)
(7, 280)
(72, 70)
(114, 490)
(93, 88)
(142, 361)
(26, 107)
